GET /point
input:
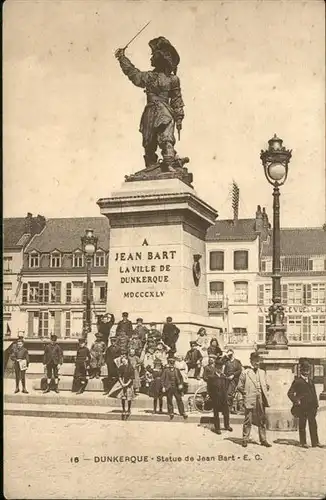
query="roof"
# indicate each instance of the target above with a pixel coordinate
(14, 232)
(299, 241)
(228, 230)
(64, 234)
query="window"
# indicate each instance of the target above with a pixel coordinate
(103, 290)
(55, 260)
(55, 292)
(241, 292)
(99, 260)
(68, 324)
(7, 264)
(318, 293)
(216, 289)
(310, 265)
(43, 324)
(77, 292)
(318, 328)
(33, 292)
(51, 322)
(263, 266)
(68, 293)
(216, 261)
(43, 291)
(240, 260)
(295, 293)
(318, 370)
(265, 294)
(7, 291)
(77, 321)
(34, 260)
(78, 259)
(294, 329)
(239, 335)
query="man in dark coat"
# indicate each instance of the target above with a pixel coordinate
(172, 385)
(141, 331)
(124, 325)
(232, 371)
(83, 358)
(52, 360)
(112, 353)
(170, 335)
(303, 395)
(217, 389)
(194, 359)
(104, 326)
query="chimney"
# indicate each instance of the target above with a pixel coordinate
(235, 201)
(28, 223)
(265, 219)
(259, 223)
(39, 225)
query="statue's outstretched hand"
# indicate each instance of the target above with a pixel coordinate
(119, 53)
(179, 126)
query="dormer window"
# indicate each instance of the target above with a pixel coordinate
(78, 259)
(55, 259)
(99, 260)
(34, 260)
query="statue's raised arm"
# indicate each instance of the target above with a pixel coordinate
(164, 108)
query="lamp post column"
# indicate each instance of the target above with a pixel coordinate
(276, 332)
(88, 295)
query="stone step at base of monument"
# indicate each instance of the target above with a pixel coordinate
(97, 385)
(83, 412)
(86, 399)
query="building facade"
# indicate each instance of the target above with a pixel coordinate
(53, 283)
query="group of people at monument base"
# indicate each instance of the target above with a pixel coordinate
(144, 359)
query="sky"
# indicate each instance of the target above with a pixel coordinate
(248, 69)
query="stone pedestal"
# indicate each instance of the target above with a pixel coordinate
(157, 239)
(279, 373)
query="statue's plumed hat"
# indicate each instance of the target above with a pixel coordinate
(166, 48)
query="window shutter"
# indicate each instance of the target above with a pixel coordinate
(25, 293)
(30, 322)
(57, 323)
(68, 293)
(260, 294)
(261, 329)
(284, 294)
(58, 292)
(306, 328)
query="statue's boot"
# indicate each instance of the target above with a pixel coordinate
(150, 160)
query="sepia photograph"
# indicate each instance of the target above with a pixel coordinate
(164, 249)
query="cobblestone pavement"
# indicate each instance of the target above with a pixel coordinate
(40, 463)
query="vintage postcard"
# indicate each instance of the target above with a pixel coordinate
(164, 258)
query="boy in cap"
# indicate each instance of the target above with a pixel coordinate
(141, 331)
(124, 325)
(303, 395)
(217, 389)
(153, 336)
(97, 356)
(19, 355)
(172, 385)
(209, 369)
(194, 359)
(83, 358)
(52, 360)
(254, 388)
(170, 335)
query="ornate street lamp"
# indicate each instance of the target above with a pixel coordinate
(275, 161)
(89, 246)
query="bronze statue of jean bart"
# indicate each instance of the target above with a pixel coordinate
(164, 109)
